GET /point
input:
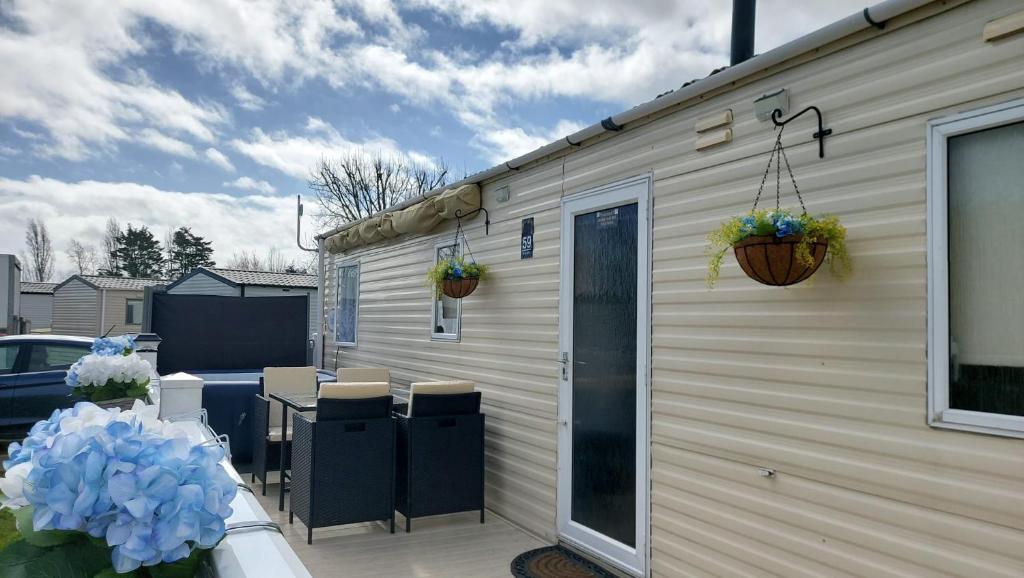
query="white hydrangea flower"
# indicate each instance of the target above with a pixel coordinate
(98, 369)
(13, 483)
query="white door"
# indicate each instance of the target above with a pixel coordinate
(603, 394)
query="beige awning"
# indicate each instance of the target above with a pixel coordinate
(419, 218)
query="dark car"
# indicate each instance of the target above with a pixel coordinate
(32, 371)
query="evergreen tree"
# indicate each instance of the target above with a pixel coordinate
(186, 252)
(139, 253)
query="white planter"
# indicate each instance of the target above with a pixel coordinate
(177, 394)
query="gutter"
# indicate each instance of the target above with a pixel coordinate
(875, 16)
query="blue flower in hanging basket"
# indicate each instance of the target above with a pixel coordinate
(785, 224)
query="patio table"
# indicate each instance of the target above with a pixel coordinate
(301, 402)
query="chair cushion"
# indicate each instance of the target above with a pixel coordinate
(275, 434)
(438, 388)
(286, 380)
(355, 390)
(363, 374)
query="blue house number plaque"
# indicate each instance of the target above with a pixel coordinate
(526, 246)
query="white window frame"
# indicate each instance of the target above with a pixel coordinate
(435, 336)
(939, 413)
(337, 301)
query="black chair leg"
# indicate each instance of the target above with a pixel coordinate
(291, 517)
(264, 484)
(309, 536)
(408, 524)
(392, 523)
(481, 516)
(253, 479)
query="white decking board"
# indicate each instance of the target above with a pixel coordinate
(439, 546)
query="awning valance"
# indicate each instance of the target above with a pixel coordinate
(419, 218)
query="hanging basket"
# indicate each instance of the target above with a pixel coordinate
(459, 288)
(772, 260)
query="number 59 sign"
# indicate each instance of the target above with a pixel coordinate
(526, 245)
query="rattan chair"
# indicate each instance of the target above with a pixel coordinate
(343, 460)
(267, 428)
(440, 458)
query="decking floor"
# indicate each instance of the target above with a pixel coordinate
(455, 546)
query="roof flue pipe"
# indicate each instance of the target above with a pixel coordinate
(743, 12)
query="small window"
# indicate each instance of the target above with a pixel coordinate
(54, 357)
(8, 357)
(976, 205)
(447, 311)
(133, 312)
(346, 306)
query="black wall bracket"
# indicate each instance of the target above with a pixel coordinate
(487, 219)
(820, 135)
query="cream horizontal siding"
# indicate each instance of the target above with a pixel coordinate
(509, 339)
(117, 303)
(38, 309)
(825, 382)
(76, 310)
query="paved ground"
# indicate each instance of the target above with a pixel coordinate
(453, 546)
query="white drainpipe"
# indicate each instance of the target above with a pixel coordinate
(103, 311)
(318, 344)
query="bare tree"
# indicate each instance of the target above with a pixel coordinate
(83, 256)
(111, 243)
(39, 262)
(360, 184)
(273, 261)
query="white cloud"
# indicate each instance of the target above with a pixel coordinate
(162, 142)
(60, 63)
(250, 184)
(220, 159)
(78, 210)
(505, 143)
(295, 155)
(69, 66)
(246, 99)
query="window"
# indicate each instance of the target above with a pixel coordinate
(976, 271)
(54, 357)
(133, 312)
(8, 357)
(346, 307)
(447, 311)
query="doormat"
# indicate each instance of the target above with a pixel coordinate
(556, 562)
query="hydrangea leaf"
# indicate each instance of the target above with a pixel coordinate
(44, 538)
(72, 560)
(186, 568)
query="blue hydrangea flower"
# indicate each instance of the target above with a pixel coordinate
(457, 271)
(113, 345)
(152, 498)
(72, 377)
(786, 225)
(749, 224)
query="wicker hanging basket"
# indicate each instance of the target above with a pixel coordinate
(772, 260)
(459, 288)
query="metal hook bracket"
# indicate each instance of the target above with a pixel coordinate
(820, 135)
(487, 218)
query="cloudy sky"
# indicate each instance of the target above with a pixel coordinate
(209, 113)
